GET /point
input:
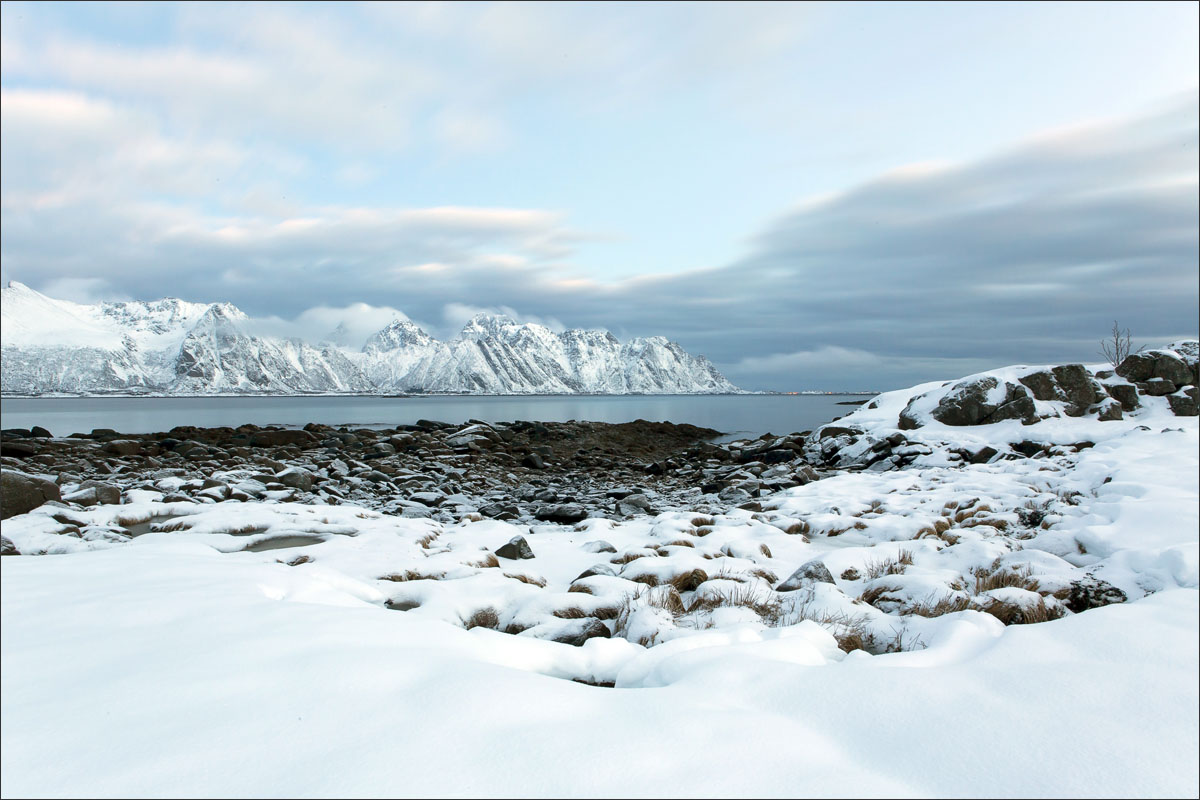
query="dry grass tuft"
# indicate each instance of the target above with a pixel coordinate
(513, 628)
(580, 588)
(998, 578)
(483, 618)
(428, 539)
(412, 575)
(766, 604)
(606, 612)
(872, 594)
(889, 566)
(851, 574)
(765, 574)
(941, 525)
(531, 580)
(486, 562)
(860, 526)
(649, 579)
(704, 530)
(297, 561)
(571, 612)
(766, 551)
(1016, 614)
(796, 528)
(936, 608)
(689, 581)
(626, 558)
(679, 543)
(703, 522)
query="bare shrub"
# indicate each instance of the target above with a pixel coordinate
(936, 608)
(1118, 346)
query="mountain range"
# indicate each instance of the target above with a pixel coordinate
(171, 346)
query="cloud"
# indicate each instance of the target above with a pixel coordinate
(82, 290)
(456, 315)
(346, 326)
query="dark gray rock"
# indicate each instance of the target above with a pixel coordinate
(1184, 402)
(108, 494)
(810, 573)
(282, 437)
(598, 546)
(1018, 404)
(7, 548)
(123, 447)
(517, 548)
(296, 478)
(597, 569)
(1124, 393)
(1077, 385)
(533, 461)
(1137, 367)
(968, 402)
(635, 504)
(1157, 387)
(38, 432)
(1091, 592)
(1042, 384)
(565, 513)
(1107, 410)
(21, 493)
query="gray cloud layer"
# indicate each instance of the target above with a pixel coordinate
(921, 274)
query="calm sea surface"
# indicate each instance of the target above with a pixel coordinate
(736, 415)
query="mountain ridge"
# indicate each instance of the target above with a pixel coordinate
(175, 347)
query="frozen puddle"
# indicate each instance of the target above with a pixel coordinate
(282, 543)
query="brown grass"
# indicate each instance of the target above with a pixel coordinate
(689, 581)
(765, 574)
(679, 543)
(766, 551)
(649, 579)
(800, 527)
(412, 575)
(606, 612)
(998, 578)
(766, 604)
(872, 594)
(580, 588)
(483, 618)
(626, 558)
(889, 566)
(486, 562)
(703, 522)
(427, 540)
(571, 612)
(531, 580)
(936, 608)
(704, 530)
(1015, 614)
(851, 574)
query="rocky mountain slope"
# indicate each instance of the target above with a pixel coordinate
(174, 347)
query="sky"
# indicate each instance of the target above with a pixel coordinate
(852, 196)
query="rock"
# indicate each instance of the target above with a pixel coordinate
(20, 449)
(733, 495)
(598, 569)
(7, 548)
(108, 494)
(281, 438)
(38, 432)
(296, 478)
(983, 455)
(565, 513)
(809, 573)
(1165, 364)
(1017, 405)
(21, 493)
(1077, 385)
(1184, 403)
(635, 504)
(1091, 592)
(517, 548)
(598, 546)
(432, 499)
(123, 447)
(1157, 387)
(581, 630)
(1124, 393)
(533, 461)
(1107, 410)
(1042, 384)
(968, 402)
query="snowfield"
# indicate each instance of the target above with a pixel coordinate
(846, 637)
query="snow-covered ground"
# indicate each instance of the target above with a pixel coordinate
(258, 649)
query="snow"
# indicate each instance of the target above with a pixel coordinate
(188, 660)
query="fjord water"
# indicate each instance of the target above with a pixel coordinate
(734, 415)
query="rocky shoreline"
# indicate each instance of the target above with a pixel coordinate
(556, 472)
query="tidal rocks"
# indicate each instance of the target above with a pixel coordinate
(20, 492)
(566, 513)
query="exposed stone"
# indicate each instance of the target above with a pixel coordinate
(533, 461)
(812, 572)
(635, 504)
(21, 493)
(296, 478)
(108, 494)
(1091, 592)
(123, 447)
(517, 548)
(1077, 385)
(7, 548)
(566, 513)
(597, 569)
(38, 432)
(1124, 393)
(1042, 384)
(1184, 403)
(1107, 410)
(598, 546)
(281, 438)
(1157, 387)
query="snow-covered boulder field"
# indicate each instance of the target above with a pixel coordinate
(964, 603)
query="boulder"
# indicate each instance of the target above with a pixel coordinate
(108, 494)
(1157, 387)
(1184, 402)
(7, 548)
(281, 438)
(810, 573)
(1107, 410)
(1042, 384)
(21, 493)
(1091, 592)
(1077, 385)
(1165, 364)
(517, 548)
(38, 432)
(1124, 393)
(597, 569)
(565, 513)
(296, 478)
(533, 461)
(123, 447)
(969, 402)
(598, 546)
(635, 504)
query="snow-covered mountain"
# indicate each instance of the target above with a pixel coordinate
(174, 347)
